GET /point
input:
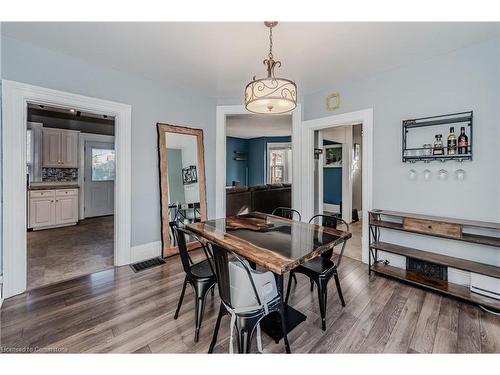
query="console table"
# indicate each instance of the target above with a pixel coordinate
(434, 226)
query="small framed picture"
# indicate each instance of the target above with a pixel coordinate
(333, 155)
(189, 175)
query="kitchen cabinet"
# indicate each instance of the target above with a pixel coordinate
(53, 208)
(59, 148)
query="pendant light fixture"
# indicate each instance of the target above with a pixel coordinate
(271, 95)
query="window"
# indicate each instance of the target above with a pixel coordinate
(279, 156)
(103, 164)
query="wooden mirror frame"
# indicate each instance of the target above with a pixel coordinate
(163, 129)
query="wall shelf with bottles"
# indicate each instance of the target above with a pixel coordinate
(459, 149)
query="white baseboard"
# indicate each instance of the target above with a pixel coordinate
(335, 208)
(145, 251)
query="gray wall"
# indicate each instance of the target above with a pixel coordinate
(151, 102)
(467, 79)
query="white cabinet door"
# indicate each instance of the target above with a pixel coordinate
(69, 149)
(42, 212)
(51, 146)
(66, 210)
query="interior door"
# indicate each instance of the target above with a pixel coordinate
(99, 179)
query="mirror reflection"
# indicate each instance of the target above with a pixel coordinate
(182, 180)
(184, 190)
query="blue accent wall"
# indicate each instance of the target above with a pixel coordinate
(332, 182)
(236, 170)
(332, 185)
(256, 149)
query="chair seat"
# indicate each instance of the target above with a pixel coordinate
(202, 270)
(317, 265)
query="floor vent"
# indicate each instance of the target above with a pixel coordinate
(145, 264)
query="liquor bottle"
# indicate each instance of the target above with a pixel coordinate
(452, 142)
(463, 142)
(438, 145)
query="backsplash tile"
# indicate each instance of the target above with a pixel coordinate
(59, 174)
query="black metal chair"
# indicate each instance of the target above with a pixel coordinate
(246, 321)
(321, 269)
(201, 276)
(286, 212)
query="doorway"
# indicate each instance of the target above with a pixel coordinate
(62, 242)
(307, 172)
(16, 97)
(338, 179)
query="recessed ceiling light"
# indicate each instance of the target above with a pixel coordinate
(72, 110)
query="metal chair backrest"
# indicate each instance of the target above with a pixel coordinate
(331, 221)
(287, 213)
(180, 237)
(221, 261)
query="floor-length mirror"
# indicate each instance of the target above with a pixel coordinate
(182, 181)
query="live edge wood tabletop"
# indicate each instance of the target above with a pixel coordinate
(274, 243)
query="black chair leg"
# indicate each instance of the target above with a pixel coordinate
(283, 328)
(312, 284)
(176, 315)
(244, 342)
(222, 311)
(292, 275)
(200, 308)
(213, 290)
(339, 290)
(294, 278)
(322, 295)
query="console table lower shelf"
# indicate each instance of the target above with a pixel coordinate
(445, 287)
(430, 269)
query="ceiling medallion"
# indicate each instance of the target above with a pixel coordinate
(271, 95)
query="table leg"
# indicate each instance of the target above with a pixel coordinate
(271, 324)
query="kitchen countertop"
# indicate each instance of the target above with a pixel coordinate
(53, 187)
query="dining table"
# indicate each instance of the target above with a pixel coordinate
(275, 244)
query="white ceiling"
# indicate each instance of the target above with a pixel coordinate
(252, 126)
(220, 58)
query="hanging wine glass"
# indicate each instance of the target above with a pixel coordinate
(442, 173)
(427, 171)
(460, 173)
(412, 174)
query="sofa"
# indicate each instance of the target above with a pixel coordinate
(262, 198)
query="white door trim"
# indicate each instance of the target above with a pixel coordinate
(364, 117)
(220, 149)
(81, 163)
(15, 97)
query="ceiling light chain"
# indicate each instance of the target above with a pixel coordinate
(270, 42)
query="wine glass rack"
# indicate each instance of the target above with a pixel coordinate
(421, 154)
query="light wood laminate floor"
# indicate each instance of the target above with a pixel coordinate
(63, 253)
(120, 311)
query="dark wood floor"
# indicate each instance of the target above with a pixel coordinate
(119, 311)
(64, 253)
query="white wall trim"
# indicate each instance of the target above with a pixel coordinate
(81, 164)
(1, 293)
(15, 98)
(306, 136)
(145, 251)
(222, 112)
